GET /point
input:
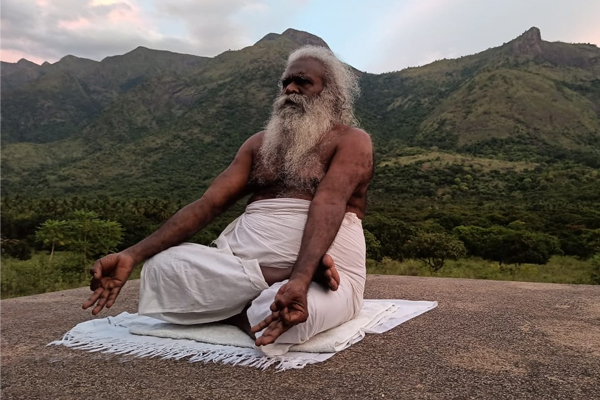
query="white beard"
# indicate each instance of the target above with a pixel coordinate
(292, 136)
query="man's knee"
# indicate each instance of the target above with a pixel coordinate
(326, 309)
(164, 259)
(158, 266)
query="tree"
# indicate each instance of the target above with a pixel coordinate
(84, 233)
(581, 242)
(508, 245)
(435, 248)
(52, 233)
(478, 241)
(521, 247)
(90, 236)
(517, 225)
(392, 234)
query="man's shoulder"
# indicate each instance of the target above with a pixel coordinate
(254, 142)
(257, 137)
(352, 135)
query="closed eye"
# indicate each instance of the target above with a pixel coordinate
(298, 80)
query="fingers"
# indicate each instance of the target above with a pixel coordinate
(109, 275)
(101, 302)
(96, 270)
(267, 321)
(262, 324)
(93, 298)
(104, 293)
(282, 300)
(294, 317)
(276, 326)
(112, 297)
(288, 309)
(284, 315)
(94, 284)
(273, 331)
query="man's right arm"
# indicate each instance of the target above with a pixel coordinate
(110, 273)
(225, 190)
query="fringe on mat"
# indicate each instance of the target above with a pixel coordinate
(230, 355)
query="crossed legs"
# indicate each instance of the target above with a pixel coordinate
(326, 275)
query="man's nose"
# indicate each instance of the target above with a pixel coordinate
(292, 88)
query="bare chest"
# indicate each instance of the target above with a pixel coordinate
(278, 179)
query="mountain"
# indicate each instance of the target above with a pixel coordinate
(156, 123)
(54, 101)
(18, 74)
(527, 90)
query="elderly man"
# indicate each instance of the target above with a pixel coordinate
(272, 271)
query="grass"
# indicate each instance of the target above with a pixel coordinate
(559, 269)
(38, 275)
(437, 159)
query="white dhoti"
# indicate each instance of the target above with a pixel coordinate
(192, 284)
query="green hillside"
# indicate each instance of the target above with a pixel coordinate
(529, 93)
(496, 150)
(153, 137)
(151, 123)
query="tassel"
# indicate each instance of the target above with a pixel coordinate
(231, 355)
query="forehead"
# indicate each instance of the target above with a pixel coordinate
(306, 66)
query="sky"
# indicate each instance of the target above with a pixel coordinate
(374, 36)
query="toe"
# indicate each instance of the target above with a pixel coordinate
(333, 285)
(334, 282)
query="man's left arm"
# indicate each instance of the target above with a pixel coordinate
(349, 172)
(350, 169)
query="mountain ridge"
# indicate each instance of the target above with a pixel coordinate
(160, 115)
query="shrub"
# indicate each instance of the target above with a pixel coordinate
(19, 249)
(595, 275)
(373, 246)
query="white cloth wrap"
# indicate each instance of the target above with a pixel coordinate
(191, 283)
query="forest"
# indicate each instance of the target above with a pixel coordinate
(430, 213)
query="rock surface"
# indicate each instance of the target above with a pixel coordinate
(528, 44)
(486, 339)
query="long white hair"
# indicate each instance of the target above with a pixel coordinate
(293, 133)
(341, 81)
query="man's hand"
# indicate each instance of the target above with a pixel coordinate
(109, 275)
(289, 308)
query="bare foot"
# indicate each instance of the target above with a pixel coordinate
(327, 274)
(241, 321)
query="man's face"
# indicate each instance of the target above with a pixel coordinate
(304, 77)
(302, 114)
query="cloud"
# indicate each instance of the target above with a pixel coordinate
(211, 26)
(389, 36)
(51, 29)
